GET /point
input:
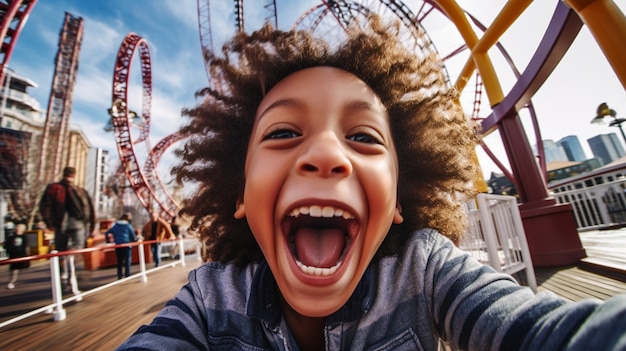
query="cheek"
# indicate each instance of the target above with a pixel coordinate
(260, 194)
(382, 189)
(382, 198)
(261, 181)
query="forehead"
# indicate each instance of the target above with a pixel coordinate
(321, 83)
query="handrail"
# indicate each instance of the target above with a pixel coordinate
(56, 307)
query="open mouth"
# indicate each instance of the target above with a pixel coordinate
(319, 237)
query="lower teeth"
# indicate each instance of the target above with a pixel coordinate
(318, 270)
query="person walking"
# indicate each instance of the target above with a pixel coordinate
(16, 245)
(122, 232)
(157, 229)
(68, 210)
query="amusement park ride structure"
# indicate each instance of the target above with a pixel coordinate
(14, 17)
(56, 128)
(550, 227)
(143, 180)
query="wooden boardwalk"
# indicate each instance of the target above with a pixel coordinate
(104, 319)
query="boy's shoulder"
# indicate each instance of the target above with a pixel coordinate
(214, 281)
(425, 236)
(228, 272)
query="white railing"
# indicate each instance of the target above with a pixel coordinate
(597, 206)
(56, 307)
(496, 235)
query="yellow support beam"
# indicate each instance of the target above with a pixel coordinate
(480, 46)
(607, 24)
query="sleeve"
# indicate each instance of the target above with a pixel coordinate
(92, 212)
(181, 325)
(106, 234)
(477, 308)
(132, 234)
(45, 208)
(168, 229)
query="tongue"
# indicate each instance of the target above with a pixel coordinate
(319, 247)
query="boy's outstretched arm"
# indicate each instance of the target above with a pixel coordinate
(476, 308)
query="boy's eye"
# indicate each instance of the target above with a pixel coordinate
(281, 134)
(364, 138)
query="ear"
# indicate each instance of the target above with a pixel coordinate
(240, 212)
(397, 217)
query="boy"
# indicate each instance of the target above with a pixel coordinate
(331, 160)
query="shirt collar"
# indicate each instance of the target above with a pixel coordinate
(263, 300)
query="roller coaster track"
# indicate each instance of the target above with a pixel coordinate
(141, 180)
(14, 15)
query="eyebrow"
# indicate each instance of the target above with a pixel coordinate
(290, 102)
(279, 103)
(362, 105)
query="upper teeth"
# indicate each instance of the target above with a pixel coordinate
(319, 211)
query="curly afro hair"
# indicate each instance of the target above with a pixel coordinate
(434, 141)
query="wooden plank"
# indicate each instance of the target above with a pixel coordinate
(575, 283)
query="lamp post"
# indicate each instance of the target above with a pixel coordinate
(603, 111)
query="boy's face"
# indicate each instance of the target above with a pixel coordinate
(321, 180)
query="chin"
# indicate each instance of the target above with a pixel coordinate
(315, 298)
(317, 307)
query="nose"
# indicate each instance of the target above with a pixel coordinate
(324, 156)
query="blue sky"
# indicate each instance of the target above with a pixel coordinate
(565, 104)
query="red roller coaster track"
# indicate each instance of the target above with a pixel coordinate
(140, 180)
(14, 17)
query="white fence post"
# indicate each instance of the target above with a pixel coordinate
(489, 232)
(181, 250)
(499, 225)
(58, 313)
(142, 263)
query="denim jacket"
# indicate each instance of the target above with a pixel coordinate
(429, 290)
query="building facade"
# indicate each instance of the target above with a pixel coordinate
(553, 151)
(573, 149)
(606, 147)
(95, 183)
(20, 112)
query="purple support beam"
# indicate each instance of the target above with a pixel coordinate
(550, 227)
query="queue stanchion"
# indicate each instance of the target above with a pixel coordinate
(58, 314)
(142, 262)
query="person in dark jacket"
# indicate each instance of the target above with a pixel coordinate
(68, 210)
(122, 232)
